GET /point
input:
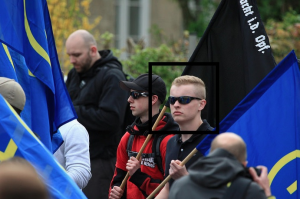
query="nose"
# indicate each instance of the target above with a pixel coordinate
(72, 59)
(176, 104)
(130, 99)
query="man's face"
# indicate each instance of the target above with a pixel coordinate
(139, 107)
(79, 54)
(185, 112)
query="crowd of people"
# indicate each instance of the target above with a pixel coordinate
(102, 159)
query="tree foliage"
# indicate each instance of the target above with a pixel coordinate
(197, 14)
(281, 17)
(138, 61)
(276, 9)
(284, 35)
(66, 17)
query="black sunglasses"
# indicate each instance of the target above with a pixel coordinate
(136, 95)
(182, 99)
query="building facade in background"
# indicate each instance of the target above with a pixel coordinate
(134, 19)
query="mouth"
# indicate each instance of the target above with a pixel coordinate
(132, 107)
(177, 113)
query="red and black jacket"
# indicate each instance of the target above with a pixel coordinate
(143, 182)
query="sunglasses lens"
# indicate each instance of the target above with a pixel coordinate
(134, 95)
(173, 100)
(184, 100)
(181, 100)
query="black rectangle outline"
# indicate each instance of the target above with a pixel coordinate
(206, 64)
(150, 99)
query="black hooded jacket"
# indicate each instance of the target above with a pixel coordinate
(209, 176)
(100, 103)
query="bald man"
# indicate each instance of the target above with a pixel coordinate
(100, 104)
(209, 177)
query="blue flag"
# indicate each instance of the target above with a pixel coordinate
(268, 119)
(25, 28)
(204, 145)
(6, 63)
(16, 139)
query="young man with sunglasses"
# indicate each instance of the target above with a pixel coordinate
(145, 175)
(187, 100)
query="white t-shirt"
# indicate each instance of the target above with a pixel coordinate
(74, 153)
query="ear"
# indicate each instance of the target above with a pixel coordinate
(94, 50)
(154, 99)
(201, 105)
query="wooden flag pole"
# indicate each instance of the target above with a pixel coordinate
(162, 184)
(144, 145)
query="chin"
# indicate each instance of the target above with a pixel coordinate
(78, 70)
(178, 119)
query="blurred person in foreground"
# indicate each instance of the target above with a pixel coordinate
(19, 180)
(222, 172)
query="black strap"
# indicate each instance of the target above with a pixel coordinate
(238, 188)
(156, 150)
(129, 147)
(133, 153)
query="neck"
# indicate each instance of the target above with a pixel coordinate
(94, 59)
(145, 117)
(185, 137)
(190, 126)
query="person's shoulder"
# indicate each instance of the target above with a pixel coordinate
(255, 191)
(112, 73)
(167, 138)
(73, 127)
(205, 126)
(184, 181)
(125, 137)
(174, 138)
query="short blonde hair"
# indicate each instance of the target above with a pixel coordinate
(199, 85)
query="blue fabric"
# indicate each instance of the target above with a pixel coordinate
(7, 66)
(268, 119)
(25, 27)
(204, 145)
(16, 139)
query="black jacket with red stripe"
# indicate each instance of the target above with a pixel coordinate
(143, 182)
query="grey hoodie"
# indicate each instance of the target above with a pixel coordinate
(208, 178)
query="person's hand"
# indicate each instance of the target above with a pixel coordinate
(262, 180)
(116, 193)
(132, 165)
(176, 171)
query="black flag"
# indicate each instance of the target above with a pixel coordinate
(236, 38)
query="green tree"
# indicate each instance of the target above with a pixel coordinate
(138, 61)
(284, 35)
(197, 14)
(276, 9)
(66, 17)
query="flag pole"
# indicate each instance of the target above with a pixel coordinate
(145, 144)
(169, 177)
